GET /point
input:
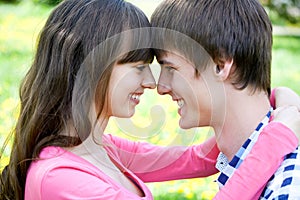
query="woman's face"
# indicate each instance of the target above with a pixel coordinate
(126, 85)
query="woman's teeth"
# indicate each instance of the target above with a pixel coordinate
(180, 103)
(135, 97)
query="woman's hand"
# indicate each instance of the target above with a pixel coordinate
(286, 97)
(290, 117)
(287, 109)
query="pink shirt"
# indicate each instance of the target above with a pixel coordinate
(60, 174)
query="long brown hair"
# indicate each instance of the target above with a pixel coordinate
(49, 103)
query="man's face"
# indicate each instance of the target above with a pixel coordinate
(178, 79)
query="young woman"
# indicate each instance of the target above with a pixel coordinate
(86, 69)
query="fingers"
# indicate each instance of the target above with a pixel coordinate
(287, 97)
(289, 116)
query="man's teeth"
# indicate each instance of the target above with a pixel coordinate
(135, 97)
(180, 103)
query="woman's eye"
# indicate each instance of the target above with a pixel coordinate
(141, 67)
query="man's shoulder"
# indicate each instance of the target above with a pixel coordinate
(284, 184)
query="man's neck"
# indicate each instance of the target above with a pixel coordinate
(244, 111)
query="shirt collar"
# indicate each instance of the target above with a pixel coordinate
(227, 168)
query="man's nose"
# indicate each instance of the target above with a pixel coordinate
(162, 88)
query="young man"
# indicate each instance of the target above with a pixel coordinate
(231, 91)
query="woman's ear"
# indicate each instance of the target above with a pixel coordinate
(223, 69)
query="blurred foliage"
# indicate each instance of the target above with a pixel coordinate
(41, 2)
(10, 1)
(288, 10)
(47, 2)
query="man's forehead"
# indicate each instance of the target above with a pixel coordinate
(171, 58)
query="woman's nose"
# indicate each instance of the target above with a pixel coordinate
(149, 81)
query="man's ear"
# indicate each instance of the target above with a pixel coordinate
(223, 69)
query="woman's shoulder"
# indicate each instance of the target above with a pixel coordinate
(52, 158)
(56, 169)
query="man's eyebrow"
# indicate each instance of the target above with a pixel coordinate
(164, 62)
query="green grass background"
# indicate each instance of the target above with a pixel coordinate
(19, 28)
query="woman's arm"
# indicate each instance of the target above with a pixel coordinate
(153, 163)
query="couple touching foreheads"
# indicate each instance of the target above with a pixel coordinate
(92, 63)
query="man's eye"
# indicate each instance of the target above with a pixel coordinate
(169, 68)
